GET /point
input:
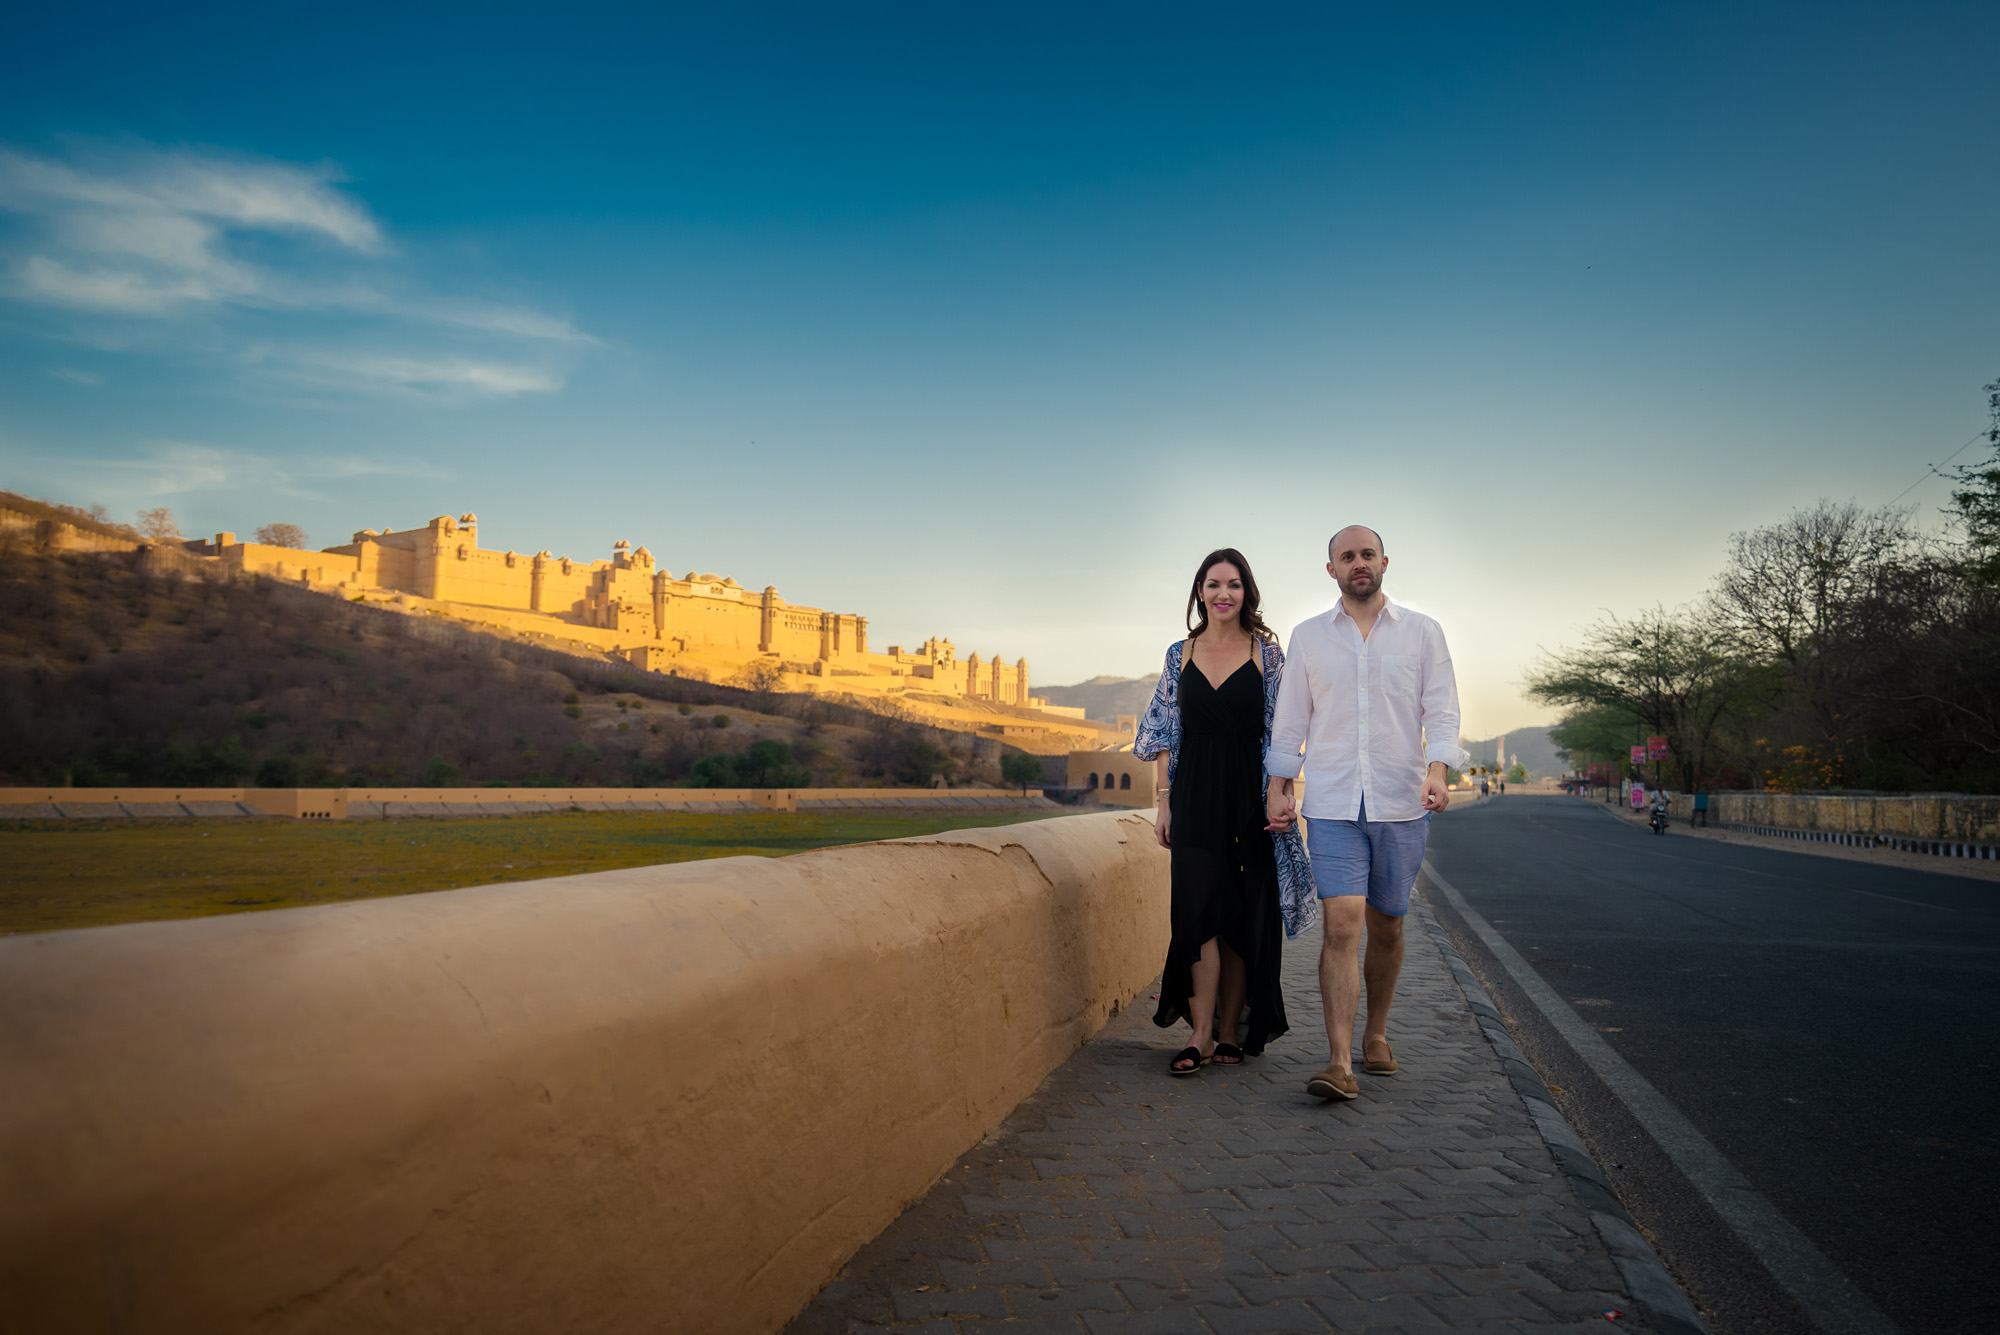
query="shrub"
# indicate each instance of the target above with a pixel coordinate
(573, 711)
(722, 720)
(278, 772)
(1021, 769)
(765, 764)
(685, 709)
(572, 699)
(438, 773)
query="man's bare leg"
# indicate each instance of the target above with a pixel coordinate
(1340, 974)
(1383, 967)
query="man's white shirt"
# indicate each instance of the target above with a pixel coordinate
(1361, 709)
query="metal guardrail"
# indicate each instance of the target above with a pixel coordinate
(1901, 843)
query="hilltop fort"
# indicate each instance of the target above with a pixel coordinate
(628, 608)
(625, 605)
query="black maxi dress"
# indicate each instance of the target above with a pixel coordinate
(1225, 875)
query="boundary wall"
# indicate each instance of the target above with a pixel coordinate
(346, 803)
(1944, 818)
(670, 1098)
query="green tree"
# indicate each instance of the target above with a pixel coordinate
(765, 764)
(1977, 501)
(1680, 673)
(1021, 768)
(1592, 734)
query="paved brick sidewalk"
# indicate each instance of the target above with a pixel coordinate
(1120, 1199)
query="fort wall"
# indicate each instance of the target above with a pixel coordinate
(665, 1098)
(650, 615)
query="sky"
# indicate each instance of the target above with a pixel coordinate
(988, 322)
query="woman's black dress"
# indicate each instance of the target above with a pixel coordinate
(1225, 876)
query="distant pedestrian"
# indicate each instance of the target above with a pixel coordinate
(1238, 876)
(1485, 790)
(1367, 682)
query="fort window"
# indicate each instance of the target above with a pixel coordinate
(1110, 780)
(1125, 781)
(1093, 779)
(461, 551)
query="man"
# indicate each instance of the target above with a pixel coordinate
(1364, 685)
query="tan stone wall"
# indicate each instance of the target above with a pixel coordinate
(661, 1099)
(1114, 768)
(332, 803)
(1950, 817)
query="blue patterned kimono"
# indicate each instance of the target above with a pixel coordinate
(1160, 730)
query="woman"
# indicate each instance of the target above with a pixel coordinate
(1235, 877)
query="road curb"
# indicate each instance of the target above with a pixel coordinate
(1659, 1298)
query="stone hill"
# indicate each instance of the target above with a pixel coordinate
(1105, 698)
(1531, 746)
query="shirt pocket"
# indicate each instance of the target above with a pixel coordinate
(1396, 674)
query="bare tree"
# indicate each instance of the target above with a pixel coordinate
(1795, 591)
(1678, 673)
(282, 535)
(158, 524)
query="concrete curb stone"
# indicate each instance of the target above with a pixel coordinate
(1667, 1308)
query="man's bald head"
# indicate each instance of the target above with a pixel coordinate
(1333, 544)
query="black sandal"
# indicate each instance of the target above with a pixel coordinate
(1227, 1054)
(1187, 1054)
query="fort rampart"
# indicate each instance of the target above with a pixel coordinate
(670, 1098)
(625, 606)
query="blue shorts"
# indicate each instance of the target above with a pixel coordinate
(1376, 858)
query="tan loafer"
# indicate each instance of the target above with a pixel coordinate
(1332, 1084)
(1378, 1058)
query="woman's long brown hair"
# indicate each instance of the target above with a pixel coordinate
(1197, 610)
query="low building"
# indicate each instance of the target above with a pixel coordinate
(1112, 778)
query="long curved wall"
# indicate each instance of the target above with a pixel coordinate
(662, 1099)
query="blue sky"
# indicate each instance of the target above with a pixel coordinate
(987, 323)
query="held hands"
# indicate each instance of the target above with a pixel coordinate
(1279, 812)
(1436, 796)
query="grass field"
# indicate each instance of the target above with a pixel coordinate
(58, 874)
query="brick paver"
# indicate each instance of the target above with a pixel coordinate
(1120, 1199)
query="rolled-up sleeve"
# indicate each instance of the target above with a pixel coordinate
(1440, 702)
(1291, 721)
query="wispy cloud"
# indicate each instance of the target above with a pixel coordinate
(418, 374)
(138, 235)
(178, 468)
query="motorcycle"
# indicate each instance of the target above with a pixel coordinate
(1659, 821)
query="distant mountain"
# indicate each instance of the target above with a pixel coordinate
(1530, 745)
(1103, 698)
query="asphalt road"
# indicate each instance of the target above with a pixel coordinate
(1832, 1027)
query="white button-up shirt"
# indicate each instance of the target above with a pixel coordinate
(1361, 709)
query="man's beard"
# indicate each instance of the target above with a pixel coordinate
(1361, 595)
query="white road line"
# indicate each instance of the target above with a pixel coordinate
(1829, 1298)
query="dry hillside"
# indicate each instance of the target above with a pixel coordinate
(114, 673)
